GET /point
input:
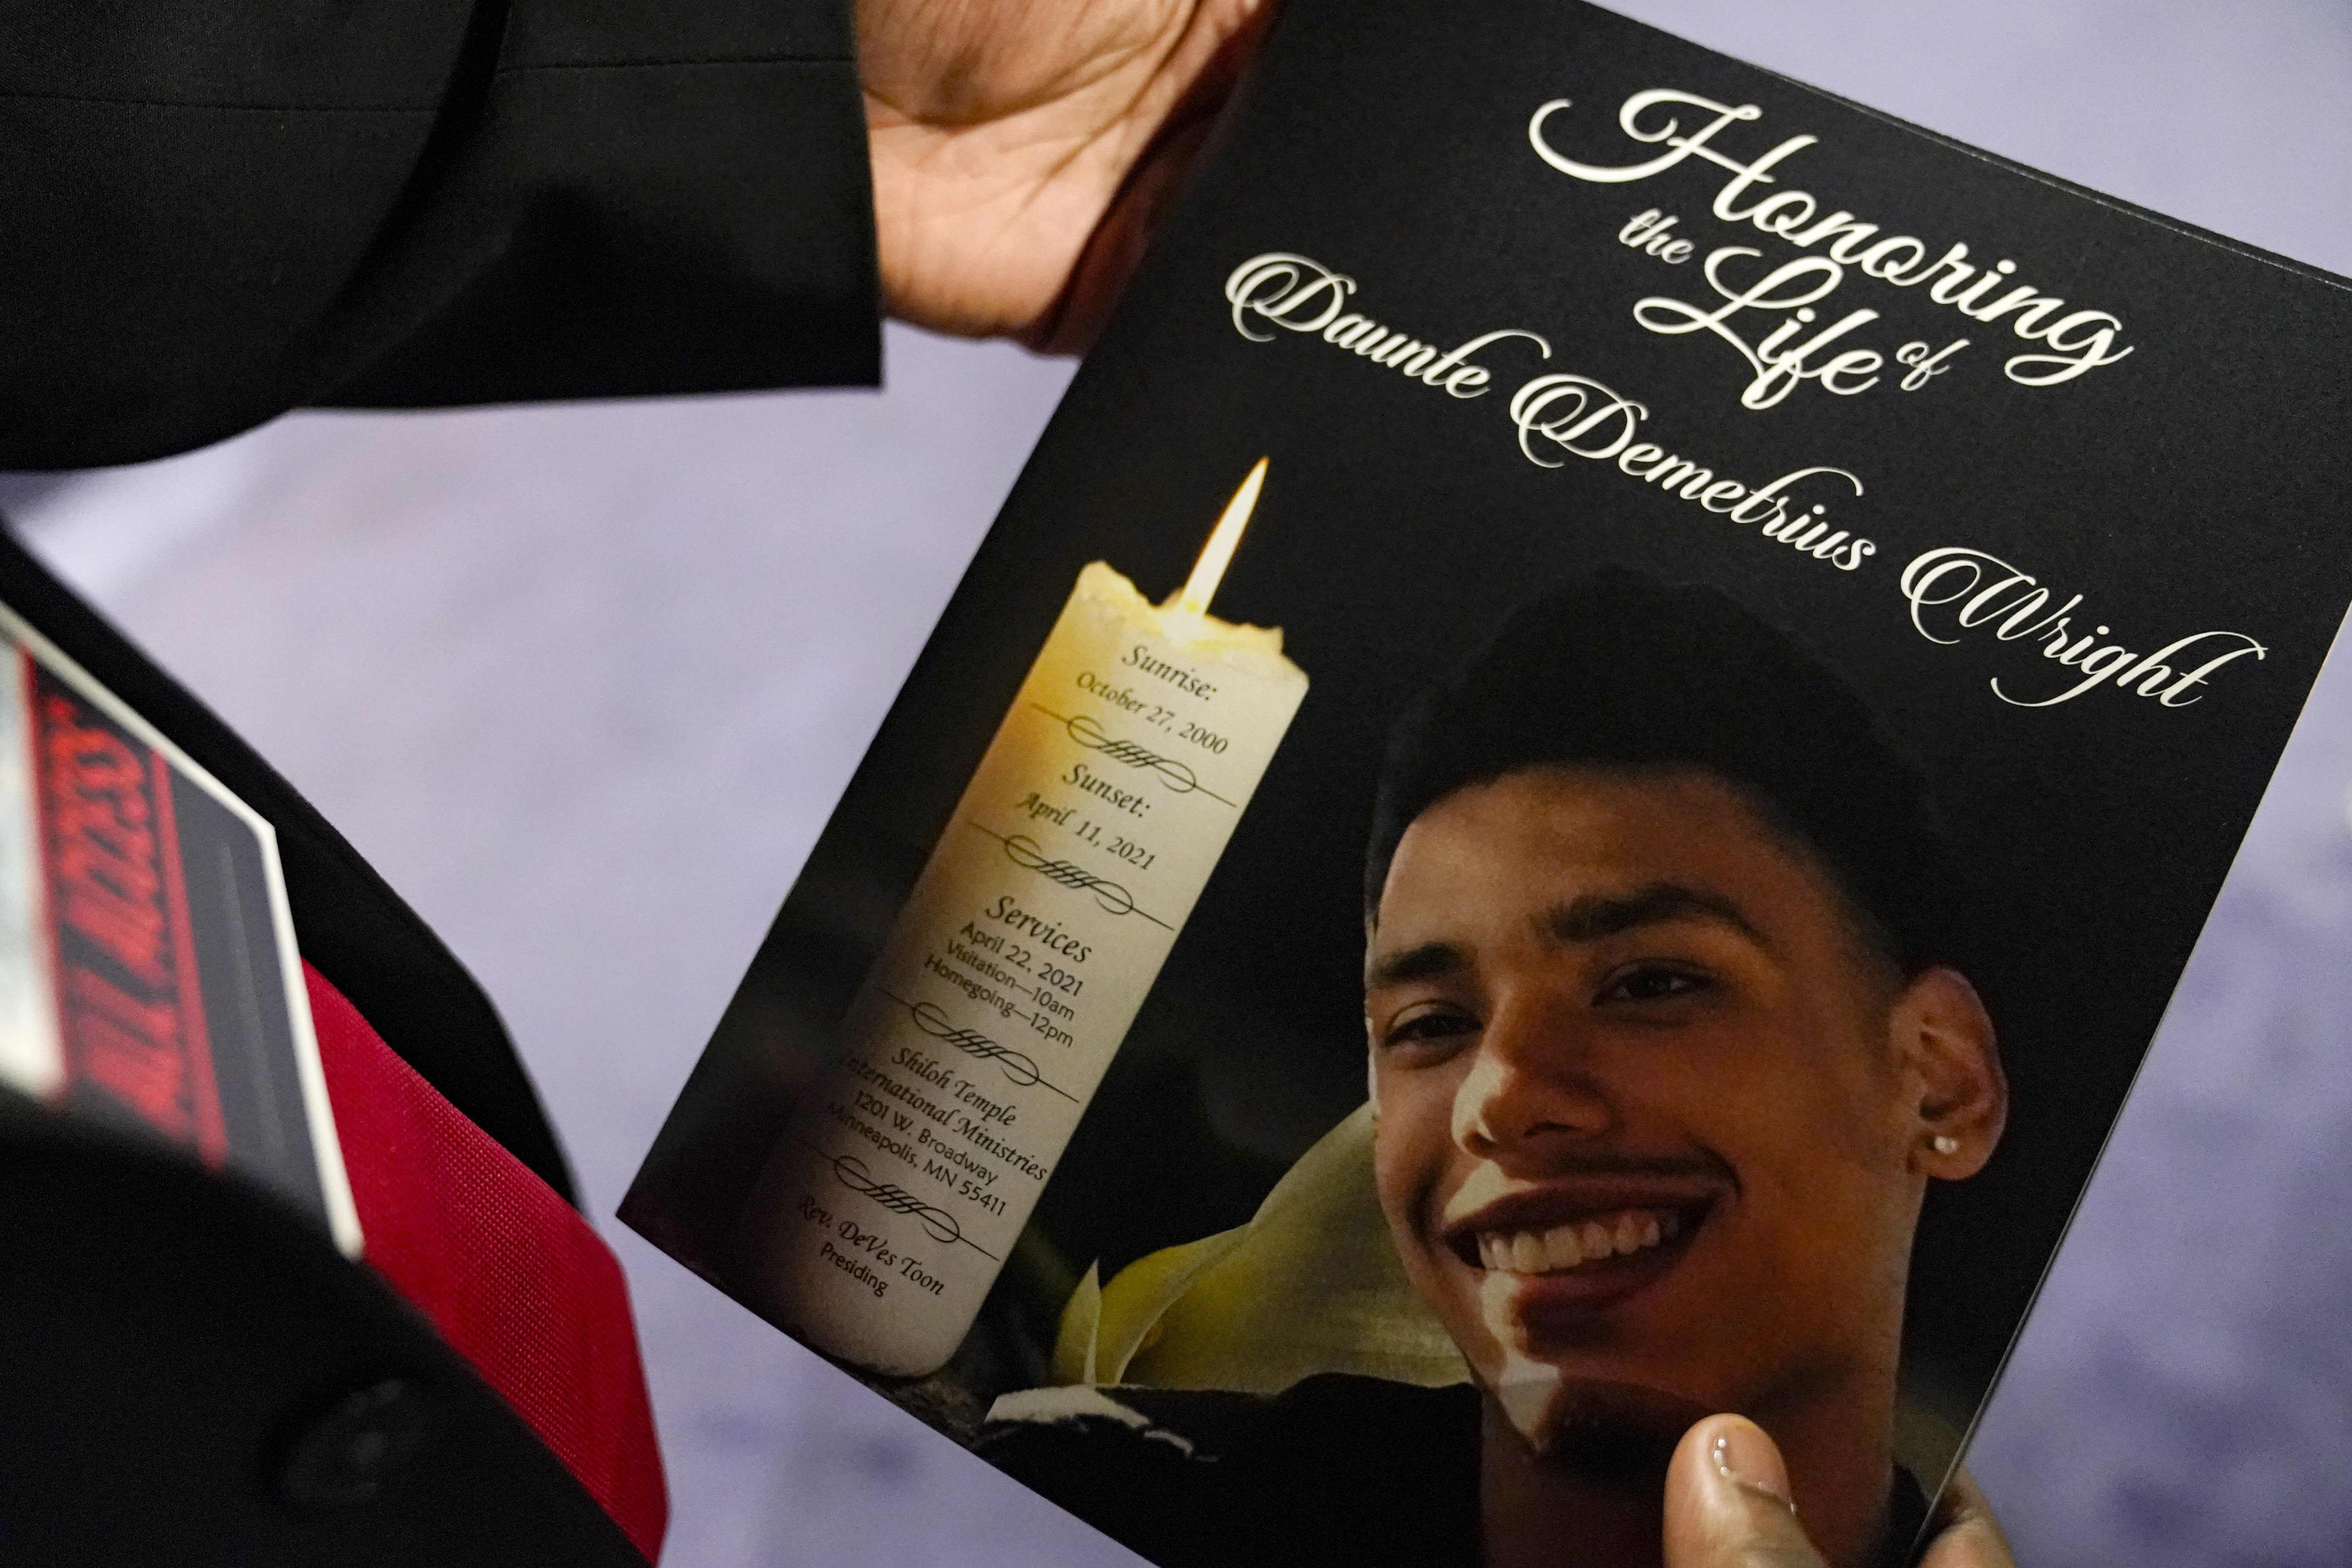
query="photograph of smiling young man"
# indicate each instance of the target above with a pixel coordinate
(1667, 1040)
(1669, 1030)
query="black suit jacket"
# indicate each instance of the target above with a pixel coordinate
(214, 210)
(210, 212)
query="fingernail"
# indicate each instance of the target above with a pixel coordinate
(1745, 1457)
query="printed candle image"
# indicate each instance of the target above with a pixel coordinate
(1018, 963)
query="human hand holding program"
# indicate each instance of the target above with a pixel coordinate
(1021, 148)
(1728, 1507)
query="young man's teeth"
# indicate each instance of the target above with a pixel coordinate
(1561, 1248)
(1570, 1245)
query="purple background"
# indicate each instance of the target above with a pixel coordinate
(585, 681)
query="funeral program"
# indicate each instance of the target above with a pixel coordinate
(1565, 797)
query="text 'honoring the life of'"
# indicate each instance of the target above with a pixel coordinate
(1956, 595)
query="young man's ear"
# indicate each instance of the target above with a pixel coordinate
(1943, 1037)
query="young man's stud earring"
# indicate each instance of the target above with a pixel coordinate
(1946, 1144)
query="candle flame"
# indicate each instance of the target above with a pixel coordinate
(1218, 554)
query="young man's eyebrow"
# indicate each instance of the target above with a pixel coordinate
(1597, 915)
(1430, 960)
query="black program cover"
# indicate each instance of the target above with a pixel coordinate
(1783, 621)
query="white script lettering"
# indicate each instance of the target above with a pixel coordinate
(1990, 593)
(2078, 340)
(1581, 417)
(1294, 294)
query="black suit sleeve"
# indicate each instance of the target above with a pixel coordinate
(215, 210)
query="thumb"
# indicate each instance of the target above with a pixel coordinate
(1966, 1533)
(1728, 1502)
